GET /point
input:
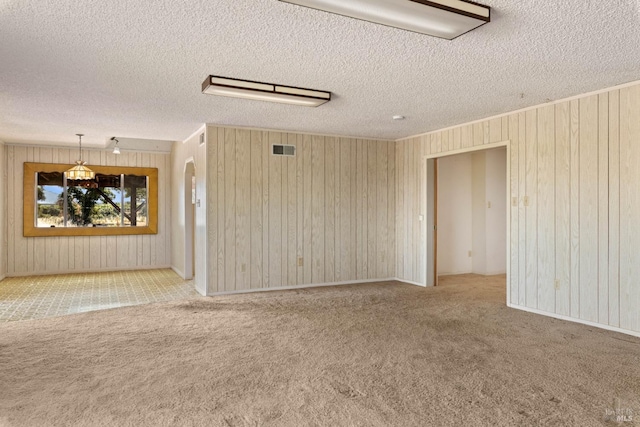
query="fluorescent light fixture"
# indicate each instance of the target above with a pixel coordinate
(446, 19)
(224, 86)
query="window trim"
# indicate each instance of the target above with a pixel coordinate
(29, 202)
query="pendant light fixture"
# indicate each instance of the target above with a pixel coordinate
(80, 172)
(116, 149)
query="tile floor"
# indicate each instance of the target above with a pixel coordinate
(34, 297)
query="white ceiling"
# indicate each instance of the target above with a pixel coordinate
(133, 68)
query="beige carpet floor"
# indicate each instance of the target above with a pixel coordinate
(364, 355)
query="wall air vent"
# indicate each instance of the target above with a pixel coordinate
(284, 150)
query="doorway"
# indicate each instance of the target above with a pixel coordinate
(189, 219)
(467, 212)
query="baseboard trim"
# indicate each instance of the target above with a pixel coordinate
(104, 270)
(410, 282)
(574, 320)
(2, 277)
(312, 285)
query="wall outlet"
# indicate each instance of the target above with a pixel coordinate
(243, 268)
(525, 200)
(514, 201)
(557, 284)
(489, 205)
(470, 254)
(300, 261)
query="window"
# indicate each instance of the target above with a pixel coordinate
(120, 200)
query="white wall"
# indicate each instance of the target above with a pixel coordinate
(454, 215)
(3, 210)
(496, 211)
(479, 214)
(467, 185)
(181, 152)
(574, 167)
(61, 254)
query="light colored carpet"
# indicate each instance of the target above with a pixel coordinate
(370, 355)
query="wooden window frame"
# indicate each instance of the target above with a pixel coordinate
(29, 202)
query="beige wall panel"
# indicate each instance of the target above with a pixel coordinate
(256, 265)
(275, 252)
(531, 211)
(307, 208)
(318, 191)
(290, 191)
(575, 208)
(603, 208)
(614, 208)
(563, 208)
(495, 130)
(50, 255)
(330, 209)
(522, 210)
(243, 202)
(513, 203)
(546, 209)
(589, 208)
(629, 208)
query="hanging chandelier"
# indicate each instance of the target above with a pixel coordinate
(80, 172)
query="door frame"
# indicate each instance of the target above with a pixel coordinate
(430, 205)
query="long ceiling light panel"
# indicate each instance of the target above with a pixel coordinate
(446, 19)
(224, 86)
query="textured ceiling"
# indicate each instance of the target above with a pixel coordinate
(133, 68)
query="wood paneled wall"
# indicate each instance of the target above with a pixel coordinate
(326, 215)
(3, 211)
(574, 178)
(46, 255)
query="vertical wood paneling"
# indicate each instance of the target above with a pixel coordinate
(361, 201)
(330, 209)
(213, 285)
(275, 214)
(603, 208)
(42, 255)
(495, 130)
(230, 146)
(589, 208)
(614, 208)
(575, 208)
(546, 209)
(575, 163)
(391, 210)
(317, 209)
(370, 217)
(266, 194)
(522, 210)
(629, 208)
(401, 224)
(514, 196)
(256, 210)
(220, 209)
(531, 211)
(307, 208)
(243, 199)
(300, 180)
(563, 208)
(290, 190)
